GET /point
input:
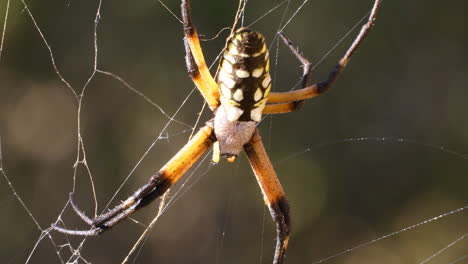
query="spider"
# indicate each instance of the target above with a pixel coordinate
(238, 95)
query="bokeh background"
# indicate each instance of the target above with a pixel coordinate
(408, 81)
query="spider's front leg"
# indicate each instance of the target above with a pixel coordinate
(273, 193)
(156, 186)
(290, 101)
(195, 60)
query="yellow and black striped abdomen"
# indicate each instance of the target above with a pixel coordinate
(244, 79)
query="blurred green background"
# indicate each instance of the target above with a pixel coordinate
(408, 81)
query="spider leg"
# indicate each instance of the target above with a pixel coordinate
(273, 193)
(157, 185)
(305, 66)
(195, 61)
(305, 62)
(287, 101)
(78, 211)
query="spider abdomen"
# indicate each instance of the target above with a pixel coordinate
(244, 79)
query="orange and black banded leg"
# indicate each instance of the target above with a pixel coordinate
(287, 102)
(195, 61)
(273, 193)
(157, 185)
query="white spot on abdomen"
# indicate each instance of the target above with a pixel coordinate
(238, 95)
(258, 95)
(256, 113)
(226, 66)
(226, 92)
(225, 78)
(242, 74)
(266, 81)
(229, 57)
(257, 72)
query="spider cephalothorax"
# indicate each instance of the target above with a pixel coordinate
(239, 96)
(244, 84)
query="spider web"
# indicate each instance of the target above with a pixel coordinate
(94, 99)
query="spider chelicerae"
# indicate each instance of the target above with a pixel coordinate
(238, 96)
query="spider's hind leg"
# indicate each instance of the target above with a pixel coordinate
(273, 193)
(157, 185)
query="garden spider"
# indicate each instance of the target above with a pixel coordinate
(238, 97)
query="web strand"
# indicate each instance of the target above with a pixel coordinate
(2, 41)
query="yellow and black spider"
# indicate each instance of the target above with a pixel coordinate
(238, 97)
